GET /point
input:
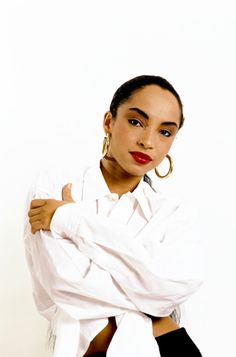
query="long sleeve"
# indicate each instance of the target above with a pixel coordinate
(89, 266)
(82, 294)
(82, 300)
(43, 302)
(155, 283)
(64, 276)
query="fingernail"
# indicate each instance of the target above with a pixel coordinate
(69, 185)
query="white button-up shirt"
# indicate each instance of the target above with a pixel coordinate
(109, 256)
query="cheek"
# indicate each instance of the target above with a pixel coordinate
(161, 150)
(122, 137)
(165, 143)
(168, 145)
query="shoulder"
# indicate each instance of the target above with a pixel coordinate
(49, 182)
(174, 206)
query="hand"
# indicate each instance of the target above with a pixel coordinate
(42, 210)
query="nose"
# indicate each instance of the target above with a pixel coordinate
(146, 140)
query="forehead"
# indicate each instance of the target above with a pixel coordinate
(155, 101)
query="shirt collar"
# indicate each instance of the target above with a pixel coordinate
(148, 198)
(140, 194)
(95, 187)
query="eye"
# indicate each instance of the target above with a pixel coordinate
(166, 133)
(135, 122)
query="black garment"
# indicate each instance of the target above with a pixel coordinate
(176, 343)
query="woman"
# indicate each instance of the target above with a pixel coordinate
(111, 258)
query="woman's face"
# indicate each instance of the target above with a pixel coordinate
(143, 130)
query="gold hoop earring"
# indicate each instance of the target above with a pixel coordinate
(106, 143)
(169, 171)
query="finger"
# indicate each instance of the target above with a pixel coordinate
(37, 223)
(35, 219)
(66, 193)
(37, 203)
(34, 211)
(36, 226)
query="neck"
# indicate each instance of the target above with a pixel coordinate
(118, 180)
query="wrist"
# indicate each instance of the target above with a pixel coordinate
(66, 220)
(162, 325)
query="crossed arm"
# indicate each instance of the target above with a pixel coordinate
(40, 215)
(42, 210)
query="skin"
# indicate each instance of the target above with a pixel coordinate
(147, 122)
(100, 343)
(132, 131)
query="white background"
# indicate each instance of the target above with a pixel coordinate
(60, 63)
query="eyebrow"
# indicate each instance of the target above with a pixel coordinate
(144, 115)
(170, 123)
(141, 112)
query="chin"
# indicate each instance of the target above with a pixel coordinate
(135, 170)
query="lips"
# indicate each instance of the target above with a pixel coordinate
(140, 157)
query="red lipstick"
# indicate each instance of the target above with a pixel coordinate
(140, 157)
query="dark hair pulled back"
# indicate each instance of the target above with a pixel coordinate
(124, 92)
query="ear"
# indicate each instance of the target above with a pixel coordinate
(108, 122)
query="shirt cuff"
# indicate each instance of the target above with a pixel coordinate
(66, 220)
